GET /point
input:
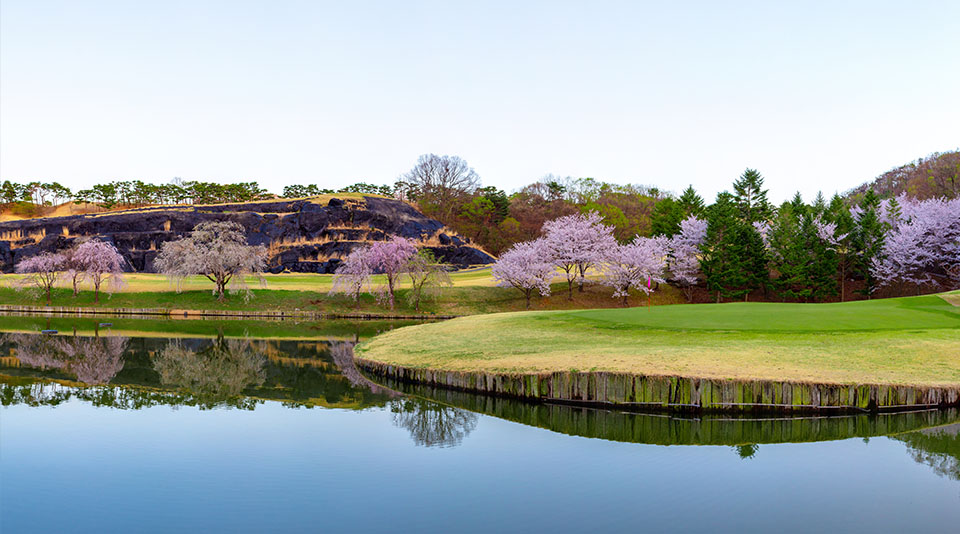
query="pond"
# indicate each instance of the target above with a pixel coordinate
(163, 426)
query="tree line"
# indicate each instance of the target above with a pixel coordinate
(742, 244)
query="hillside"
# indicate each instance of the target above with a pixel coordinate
(303, 235)
(937, 175)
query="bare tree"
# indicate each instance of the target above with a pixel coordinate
(437, 181)
(217, 250)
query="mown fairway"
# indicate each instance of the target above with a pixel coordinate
(914, 340)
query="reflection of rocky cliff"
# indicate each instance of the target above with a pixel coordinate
(302, 235)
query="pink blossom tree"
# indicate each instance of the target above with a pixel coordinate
(218, 251)
(638, 265)
(43, 271)
(74, 271)
(354, 275)
(100, 262)
(922, 247)
(576, 243)
(684, 261)
(527, 267)
(390, 258)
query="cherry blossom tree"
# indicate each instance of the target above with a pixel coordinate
(390, 258)
(43, 271)
(100, 262)
(74, 271)
(638, 265)
(922, 248)
(575, 243)
(354, 275)
(526, 267)
(685, 254)
(427, 277)
(217, 250)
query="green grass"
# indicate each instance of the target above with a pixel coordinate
(473, 292)
(914, 340)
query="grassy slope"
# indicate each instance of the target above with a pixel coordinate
(913, 340)
(473, 293)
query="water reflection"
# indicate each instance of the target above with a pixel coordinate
(92, 360)
(937, 447)
(214, 374)
(431, 424)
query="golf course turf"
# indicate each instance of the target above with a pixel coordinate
(912, 341)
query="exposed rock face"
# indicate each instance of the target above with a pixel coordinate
(302, 235)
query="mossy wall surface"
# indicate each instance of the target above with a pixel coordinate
(674, 393)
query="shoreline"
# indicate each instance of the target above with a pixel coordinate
(647, 393)
(13, 309)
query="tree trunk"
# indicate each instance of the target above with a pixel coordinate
(527, 294)
(48, 295)
(843, 281)
(569, 289)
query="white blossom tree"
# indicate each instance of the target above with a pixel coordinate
(218, 251)
(527, 268)
(684, 264)
(100, 262)
(43, 271)
(575, 243)
(638, 265)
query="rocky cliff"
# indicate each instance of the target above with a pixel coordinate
(310, 235)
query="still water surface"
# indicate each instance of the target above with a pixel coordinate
(192, 427)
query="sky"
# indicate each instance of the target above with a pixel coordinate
(815, 95)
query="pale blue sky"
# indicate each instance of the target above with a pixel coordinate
(816, 95)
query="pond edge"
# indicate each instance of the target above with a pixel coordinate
(637, 392)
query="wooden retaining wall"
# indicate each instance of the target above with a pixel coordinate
(674, 393)
(703, 429)
(152, 312)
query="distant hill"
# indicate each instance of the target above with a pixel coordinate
(302, 235)
(937, 175)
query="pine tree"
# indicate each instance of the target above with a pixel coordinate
(733, 254)
(691, 203)
(751, 198)
(867, 240)
(838, 213)
(666, 218)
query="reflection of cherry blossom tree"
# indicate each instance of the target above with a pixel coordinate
(215, 374)
(94, 360)
(342, 354)
(431, 424)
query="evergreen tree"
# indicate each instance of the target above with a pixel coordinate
(867, 242)
(751, 198)
(733, 254)
(666, 218)
(844, 233)
(691, 203)
(819, 207)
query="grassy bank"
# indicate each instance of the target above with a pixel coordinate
(911, 341)
(473, 292)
